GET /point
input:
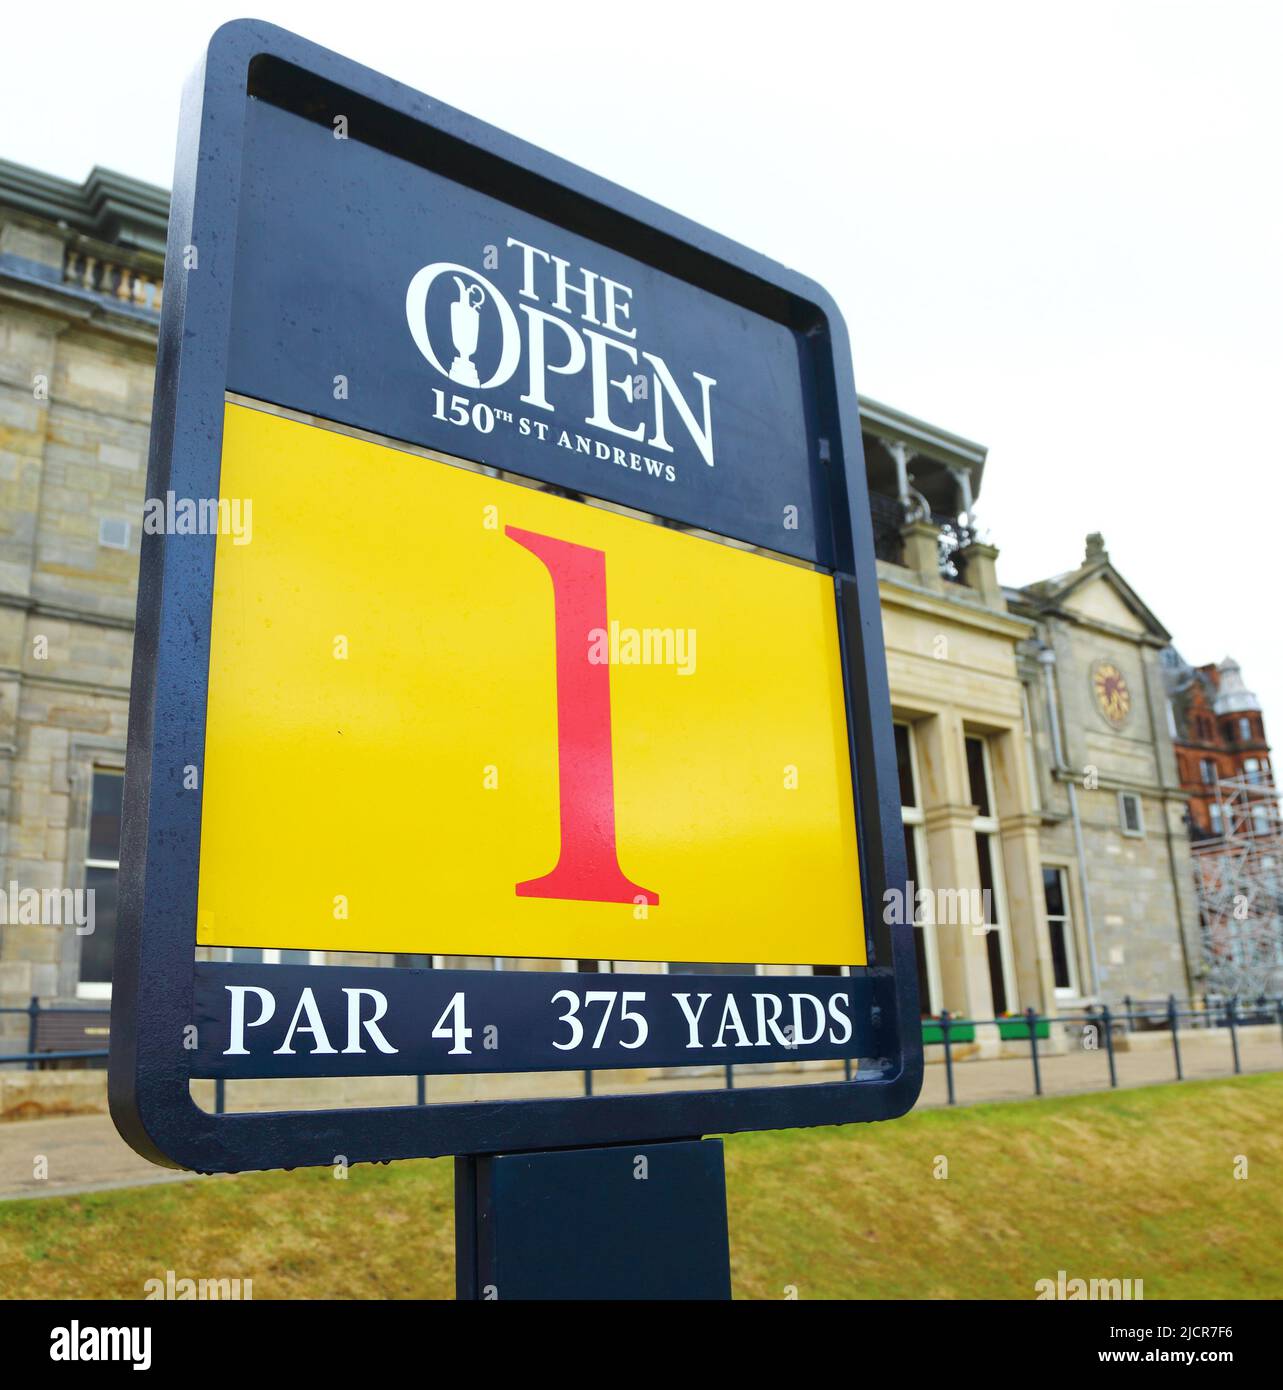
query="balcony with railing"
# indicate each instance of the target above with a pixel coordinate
(891, 516)
(921, 480)
(107, 271)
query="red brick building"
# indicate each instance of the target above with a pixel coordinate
(1219, 734)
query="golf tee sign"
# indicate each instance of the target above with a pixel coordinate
(554, 637)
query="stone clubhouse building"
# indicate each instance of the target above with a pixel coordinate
(1034, 742)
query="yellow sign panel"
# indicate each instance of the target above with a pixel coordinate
(453, 714)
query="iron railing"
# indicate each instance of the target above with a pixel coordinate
(887, 514)
(888, 517)
(1135, 1016)
(1224, 1014)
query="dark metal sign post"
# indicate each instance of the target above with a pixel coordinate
(632, 1221)
(358, 281)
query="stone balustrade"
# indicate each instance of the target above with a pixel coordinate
(113, 279)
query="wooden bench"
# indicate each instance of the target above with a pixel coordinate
(72, 1030)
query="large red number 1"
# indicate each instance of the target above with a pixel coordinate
(587, 869)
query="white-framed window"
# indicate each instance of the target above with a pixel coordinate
(1214, 811)
(925, 945)
(1129, 814)
(1060, 928)
(993, 884)
(1252, 769)
(1207, 770)
(102, 872)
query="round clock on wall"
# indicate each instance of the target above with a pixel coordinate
(1113, 696)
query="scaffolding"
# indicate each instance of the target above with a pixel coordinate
(1238, 873)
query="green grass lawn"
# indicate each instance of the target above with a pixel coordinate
(1131, 1184)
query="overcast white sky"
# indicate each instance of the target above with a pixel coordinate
(1055, 229)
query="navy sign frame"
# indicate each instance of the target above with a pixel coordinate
(252, 73)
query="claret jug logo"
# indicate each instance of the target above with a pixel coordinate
(465, 327)
(632, 395)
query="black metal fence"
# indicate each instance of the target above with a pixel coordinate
(1136, 1016)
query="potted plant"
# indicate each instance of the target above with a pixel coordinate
(1015, 1026)
(961, 1030)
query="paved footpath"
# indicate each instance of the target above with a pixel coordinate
(83, 1153)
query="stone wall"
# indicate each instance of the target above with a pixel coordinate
(75, 410)
(1139, 886)
(952, 666)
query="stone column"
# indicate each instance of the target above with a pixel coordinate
(922, 548)
(982, 574)
(954, 864)
(962, 479)
(899, 451)
(1019, 828)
